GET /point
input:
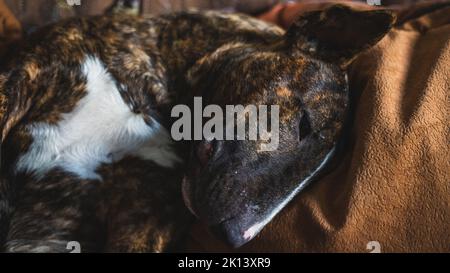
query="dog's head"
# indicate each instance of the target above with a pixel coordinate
(234, 186)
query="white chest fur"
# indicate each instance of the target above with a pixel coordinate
(101, 129)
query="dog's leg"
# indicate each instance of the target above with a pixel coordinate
(144, 210)
(54, 211)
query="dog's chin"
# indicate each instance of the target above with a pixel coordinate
(234, 231)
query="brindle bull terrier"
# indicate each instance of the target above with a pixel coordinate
(86, 153)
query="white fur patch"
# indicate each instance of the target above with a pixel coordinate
(101, 129)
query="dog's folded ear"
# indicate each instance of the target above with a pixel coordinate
(339, 33)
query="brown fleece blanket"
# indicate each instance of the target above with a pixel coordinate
(393, 184)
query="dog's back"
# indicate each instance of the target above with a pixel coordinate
(85, 151)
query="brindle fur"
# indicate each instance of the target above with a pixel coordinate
(138, 206)
(158, 62)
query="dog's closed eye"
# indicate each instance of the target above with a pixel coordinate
(304, 126)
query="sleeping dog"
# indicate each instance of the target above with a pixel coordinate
(85, 116)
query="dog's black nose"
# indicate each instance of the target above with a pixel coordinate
(230, 232)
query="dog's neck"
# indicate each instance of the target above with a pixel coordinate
(184, 42)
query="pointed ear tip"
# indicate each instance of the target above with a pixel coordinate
(387, 19)
(386, 13)
(392, 16)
